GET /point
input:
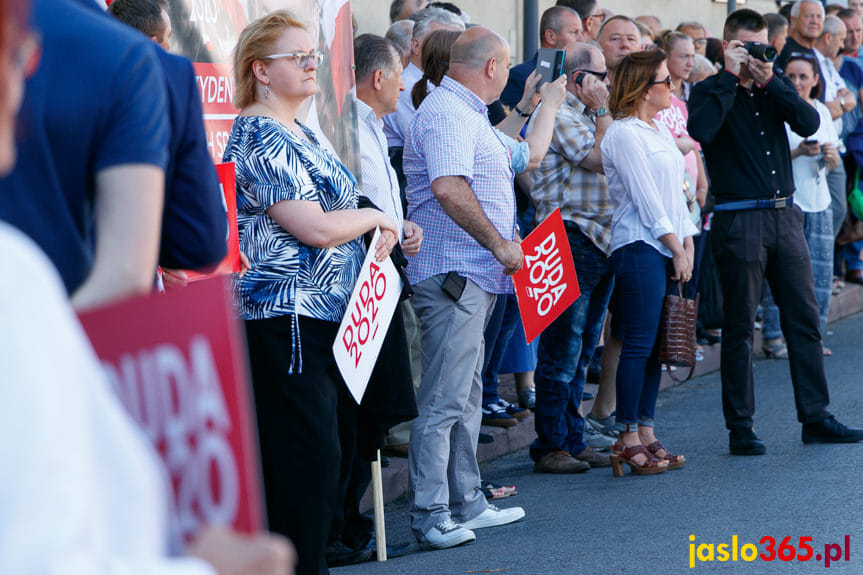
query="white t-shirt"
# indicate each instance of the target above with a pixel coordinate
(810, 174)
(81, 490)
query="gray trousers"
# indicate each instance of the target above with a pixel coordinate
(444, 474)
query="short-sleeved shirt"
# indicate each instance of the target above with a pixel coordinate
(560, 182)
(451, 136)
(288, 277)
(645, 178)
(97, 100)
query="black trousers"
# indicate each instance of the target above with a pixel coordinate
(748, 246)
(299, 432)
(349, 526)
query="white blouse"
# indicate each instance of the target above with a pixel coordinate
(810, 173)
(644, 170)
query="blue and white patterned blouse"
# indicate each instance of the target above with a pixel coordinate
(287, 276)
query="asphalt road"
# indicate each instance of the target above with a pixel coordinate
(594, 523)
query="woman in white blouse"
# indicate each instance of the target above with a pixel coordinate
(651, 242)
(810, 159)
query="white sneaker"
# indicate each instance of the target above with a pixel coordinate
(595, 439)
(494, 516)
(446, 534)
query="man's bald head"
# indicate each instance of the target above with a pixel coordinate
(476, 46)
(479, 60)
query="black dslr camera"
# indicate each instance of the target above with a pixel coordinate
(759, 51)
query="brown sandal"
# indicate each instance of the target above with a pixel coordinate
(674, 461)
(650, 466)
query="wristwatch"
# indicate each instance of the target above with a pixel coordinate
(601, 112)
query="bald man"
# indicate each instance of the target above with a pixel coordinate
(459, 189)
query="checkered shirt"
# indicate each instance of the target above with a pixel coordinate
(559, 182)
(451, 136)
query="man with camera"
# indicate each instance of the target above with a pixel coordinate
(738, 116)
(570, 178)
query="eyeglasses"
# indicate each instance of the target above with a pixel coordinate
(700, 41)
(301, 59)
(600, 75)
(666, 81)
(801, 56)
(28, 53)
(601, 17)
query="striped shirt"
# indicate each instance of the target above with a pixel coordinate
(451, 136)
(380, 183)
(559, 182)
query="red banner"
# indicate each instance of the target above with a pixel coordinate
(231, 263)
(546, 284)
(178, 364)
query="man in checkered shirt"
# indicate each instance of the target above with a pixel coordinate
(570, 178)
(459, 190)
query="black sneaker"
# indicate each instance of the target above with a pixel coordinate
(745, 442)
(829, 430)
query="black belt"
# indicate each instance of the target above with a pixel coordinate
(772, 203)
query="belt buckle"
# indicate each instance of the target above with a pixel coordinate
(780, 202)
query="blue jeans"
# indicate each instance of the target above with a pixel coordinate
(497, 334)
(565, 348)
(642, 275)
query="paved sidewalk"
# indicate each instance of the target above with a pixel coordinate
(593, 523)
(508, 440)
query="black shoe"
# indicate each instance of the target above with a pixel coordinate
(745, 442)
(829, 430)
(587, 396)
(338, 555)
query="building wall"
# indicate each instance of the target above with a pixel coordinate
(505, 16)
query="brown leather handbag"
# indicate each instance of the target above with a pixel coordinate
(677, 332)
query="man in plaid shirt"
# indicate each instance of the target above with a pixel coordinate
(570, 178)
(459, 190)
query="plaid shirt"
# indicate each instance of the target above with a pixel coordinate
(451, 136)
(559, 182)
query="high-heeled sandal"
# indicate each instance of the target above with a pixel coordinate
(650, 466)
(674, 461)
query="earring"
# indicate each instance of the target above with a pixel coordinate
(266, 91)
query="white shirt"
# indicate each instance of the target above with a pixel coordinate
(81, 490)
(396, 124)
(380, 183)
(810, 174)
(833, 82)
(644, 170)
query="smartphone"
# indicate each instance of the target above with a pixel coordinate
(549, 64)
(453, 285)
(579, 78)
(810, 142)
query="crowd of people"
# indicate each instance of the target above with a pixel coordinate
(677, 159)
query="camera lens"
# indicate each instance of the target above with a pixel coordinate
(759, 51)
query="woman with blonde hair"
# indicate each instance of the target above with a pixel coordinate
(651, 243)
(301, 229)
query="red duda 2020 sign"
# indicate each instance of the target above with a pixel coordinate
(177, 362)
(546, 284)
